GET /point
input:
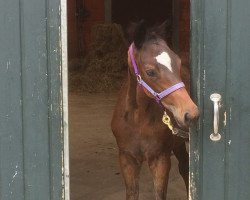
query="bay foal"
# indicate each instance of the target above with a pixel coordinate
(137, 120)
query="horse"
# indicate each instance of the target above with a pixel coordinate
(153, 112)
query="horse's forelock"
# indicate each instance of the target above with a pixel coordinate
(143, 32)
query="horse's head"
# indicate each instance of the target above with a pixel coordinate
(160, 67)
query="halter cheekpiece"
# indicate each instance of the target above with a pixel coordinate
(157, 96)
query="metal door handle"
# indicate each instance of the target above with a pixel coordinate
(215, 136)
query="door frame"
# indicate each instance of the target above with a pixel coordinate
(196, 83)
(64, 90)
(196, 43)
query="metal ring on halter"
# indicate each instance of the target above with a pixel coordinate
(138, 77)
(157, 97)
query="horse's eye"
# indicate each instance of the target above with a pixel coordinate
(151, 72)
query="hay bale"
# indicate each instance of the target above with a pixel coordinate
(108, 38)
(105, 65)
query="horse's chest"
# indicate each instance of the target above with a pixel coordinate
(150, 140)
(143, 135)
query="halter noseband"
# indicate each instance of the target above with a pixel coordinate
(157, 96)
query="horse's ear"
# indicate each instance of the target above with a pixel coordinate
(137, 33)
(140, 33)
(130, 30)
(162, 29)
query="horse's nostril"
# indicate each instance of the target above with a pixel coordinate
(190, 119)
(187, 118)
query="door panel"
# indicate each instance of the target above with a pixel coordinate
(220, 63)
(30, 102)
(214, 77)
(11, 155)
(238, 88)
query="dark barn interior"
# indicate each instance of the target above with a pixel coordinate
(97, 50)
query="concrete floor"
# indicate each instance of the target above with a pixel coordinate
(94, 167)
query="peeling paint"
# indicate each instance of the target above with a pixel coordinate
(8, 64)
(196, 155)
(229, 142)
(204, 76)
(192, 186)
(230, 113)
(225, 119)
(14, 175)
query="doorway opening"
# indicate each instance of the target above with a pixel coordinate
(97, 57)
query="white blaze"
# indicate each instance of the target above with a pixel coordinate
(165, 60)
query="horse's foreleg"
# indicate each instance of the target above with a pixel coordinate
(182, 156)
(130, 169)
(160, 168)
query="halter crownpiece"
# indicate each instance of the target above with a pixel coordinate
(158, 96)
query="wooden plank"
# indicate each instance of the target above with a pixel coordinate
(11, 154)
(35, 100)
(238, 114)
(55, 97)
(208, 51)
(215, 45)
(42, 82)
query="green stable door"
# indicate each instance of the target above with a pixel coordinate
(220, 166)
(33, 116)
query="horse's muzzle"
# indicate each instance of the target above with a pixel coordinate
(190, 118)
